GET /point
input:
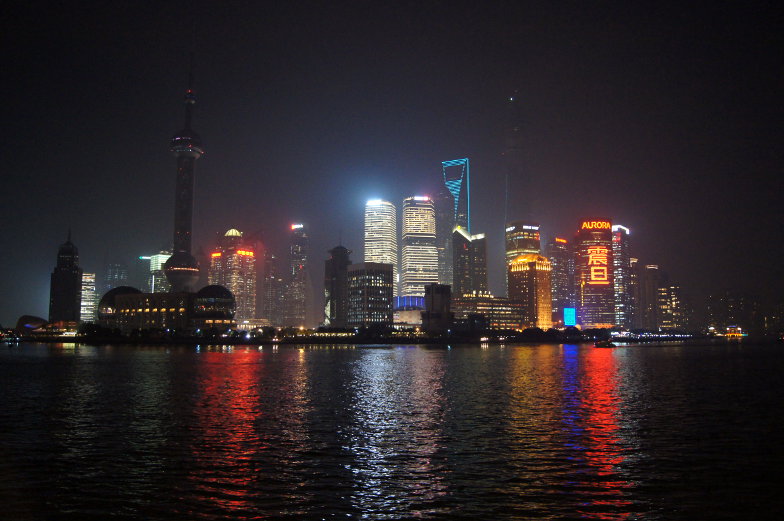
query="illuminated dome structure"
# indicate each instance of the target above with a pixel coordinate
(107, 307)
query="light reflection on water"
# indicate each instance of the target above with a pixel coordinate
(502, 432)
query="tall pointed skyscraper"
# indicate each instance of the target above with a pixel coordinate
(181, 268)
(65, 292)
(457, 178)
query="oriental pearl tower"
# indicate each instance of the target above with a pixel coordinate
(181, 269)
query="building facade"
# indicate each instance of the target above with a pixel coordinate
(370, 294)
(296, 296)
(65, 290)
(444, 205)
(437, 317)
(89, 300)
(529, 283)
(233, 266)
(457, 179)
(594, 274)
(274, 287)
(561, 257)
(381, 235)
(420, 256)
(622, 273)
(336, 287)
(520, 238)
(469, 262)
(115, 275)
(498, 313)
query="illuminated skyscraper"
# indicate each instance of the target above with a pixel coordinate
(470, 263)
(520, 238)
(444, 205)
(181, 268)
(529, 283)
(233, 266)
(458, 180)
(89, 300)
(297, 292)
(561, 258)
(671, 308)
(594, 274)
(65, 292)
(622, 276)
(381, 235)
(336, 287)
(157, 281)
(420, 256)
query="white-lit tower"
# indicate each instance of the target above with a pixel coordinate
(381, 235)
(420, 255)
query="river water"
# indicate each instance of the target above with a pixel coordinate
(398, 432)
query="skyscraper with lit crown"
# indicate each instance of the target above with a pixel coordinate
(594, 274)
(622, 276)
(470, 263)
(520, 238)
(420, 256)
(381, 235)
(233, 266)
(529, 283)
(296, 297)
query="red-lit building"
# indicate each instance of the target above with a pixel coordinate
(233, 266)
(594, 274)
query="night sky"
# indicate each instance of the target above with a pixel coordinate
(664, 118)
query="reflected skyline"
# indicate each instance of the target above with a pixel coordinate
(502, 432)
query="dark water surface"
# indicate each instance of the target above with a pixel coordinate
(471, 432)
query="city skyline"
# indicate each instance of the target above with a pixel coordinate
(600, 147)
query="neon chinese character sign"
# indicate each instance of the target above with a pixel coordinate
(597, 263)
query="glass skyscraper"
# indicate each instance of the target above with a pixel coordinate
(457, 180)
(622, 276)
(381, 235)
(89, 301)
(420, 255)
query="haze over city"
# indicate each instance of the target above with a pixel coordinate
(663, 118)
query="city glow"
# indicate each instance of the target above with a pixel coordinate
(374, 202)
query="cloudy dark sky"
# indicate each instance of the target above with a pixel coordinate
(664, 117)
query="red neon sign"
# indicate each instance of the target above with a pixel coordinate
(597, 262)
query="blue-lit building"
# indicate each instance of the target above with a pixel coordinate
(457, 180)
